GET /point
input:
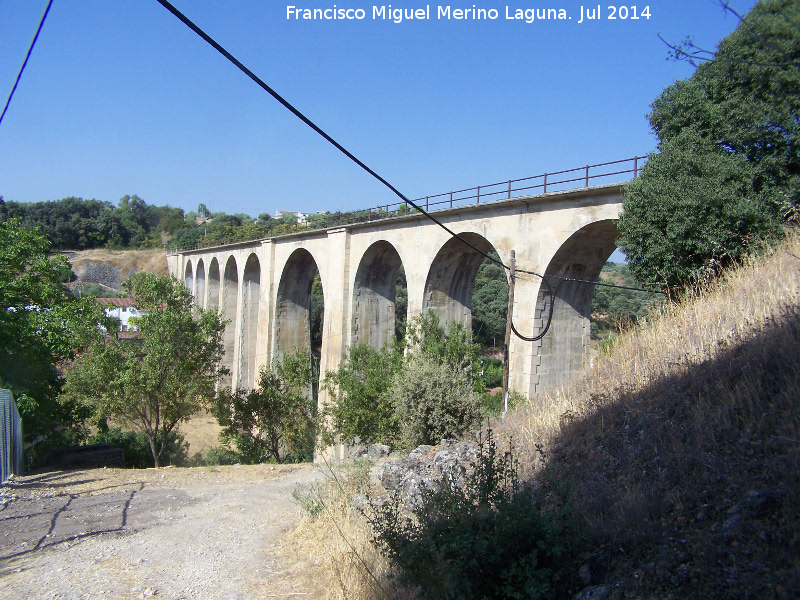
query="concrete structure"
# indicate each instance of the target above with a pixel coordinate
(264, 287)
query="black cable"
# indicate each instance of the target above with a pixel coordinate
(186, 21)
(208, 39)
(27, 56)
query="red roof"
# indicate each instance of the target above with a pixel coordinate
(115, 301)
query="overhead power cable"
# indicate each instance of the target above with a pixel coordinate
(186, 21)
(239, 65)
(27, 56)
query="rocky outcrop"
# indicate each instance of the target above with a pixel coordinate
(425, 468)
(372, 452)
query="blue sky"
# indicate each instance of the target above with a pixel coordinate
(119, 98)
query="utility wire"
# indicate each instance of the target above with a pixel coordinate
(186, 21)
(238, 64)
(27, 56)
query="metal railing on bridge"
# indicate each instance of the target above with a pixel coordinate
(544, 183)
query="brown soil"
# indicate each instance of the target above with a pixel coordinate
(150, 261)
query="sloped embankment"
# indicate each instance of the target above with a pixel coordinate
(677, 454)
(109, 268)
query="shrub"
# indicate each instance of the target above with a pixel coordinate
(136, 447)
(433, 400)
(487, 539)
(274, 421)
(216, 455)
(360, 407)
(491, 372)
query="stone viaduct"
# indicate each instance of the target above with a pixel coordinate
(264, 287)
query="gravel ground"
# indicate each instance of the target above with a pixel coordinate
(208, 532)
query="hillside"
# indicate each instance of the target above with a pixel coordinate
(668, 470)
(109, 268)
(679, 448)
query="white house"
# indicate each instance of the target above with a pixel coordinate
(123, 309)
(301, 217)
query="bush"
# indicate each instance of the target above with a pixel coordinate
(492, 405)
(217, 455)
(491, 372)
(360, 407)
(487, 539)
(274, 421)
(433, 400)
(136, 447)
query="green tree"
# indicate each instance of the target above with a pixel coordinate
(154, 381)
(727, 174)
(453, 345)
(42, 326)
(276, 419)
(386, 395)
(360, 406)
(490, 303)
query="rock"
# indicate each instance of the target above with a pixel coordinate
(372, 452)
(358, 501)
(585, 575)
(596, 592)
(425, 468)
(376, 451)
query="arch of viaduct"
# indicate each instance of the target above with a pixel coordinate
(264, 288)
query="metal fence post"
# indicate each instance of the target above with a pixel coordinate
(587, 176)
(479, 195)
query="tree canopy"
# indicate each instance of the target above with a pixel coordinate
(726, 176)
(41, 327)
(161, 377)
(274, 421)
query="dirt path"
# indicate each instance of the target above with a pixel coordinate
(209, 532)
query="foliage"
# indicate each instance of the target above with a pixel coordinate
(433, 400)
(451, 344)
(360, 407)
(614, 307)
(41, 326)
(492, 405)
(160, 378)
(216, 455)
(491, 372)
(483, 539)
(275, 420)
(317, 314)
(490, 303)
(136, 447)
(727, 174)
(386, 395)
(77, 224)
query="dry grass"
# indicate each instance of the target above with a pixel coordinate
(692, 420)
(149, 261)
(337, 536)
(677, 454)
(201, 432)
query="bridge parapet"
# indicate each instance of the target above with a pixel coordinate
(534, 186)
